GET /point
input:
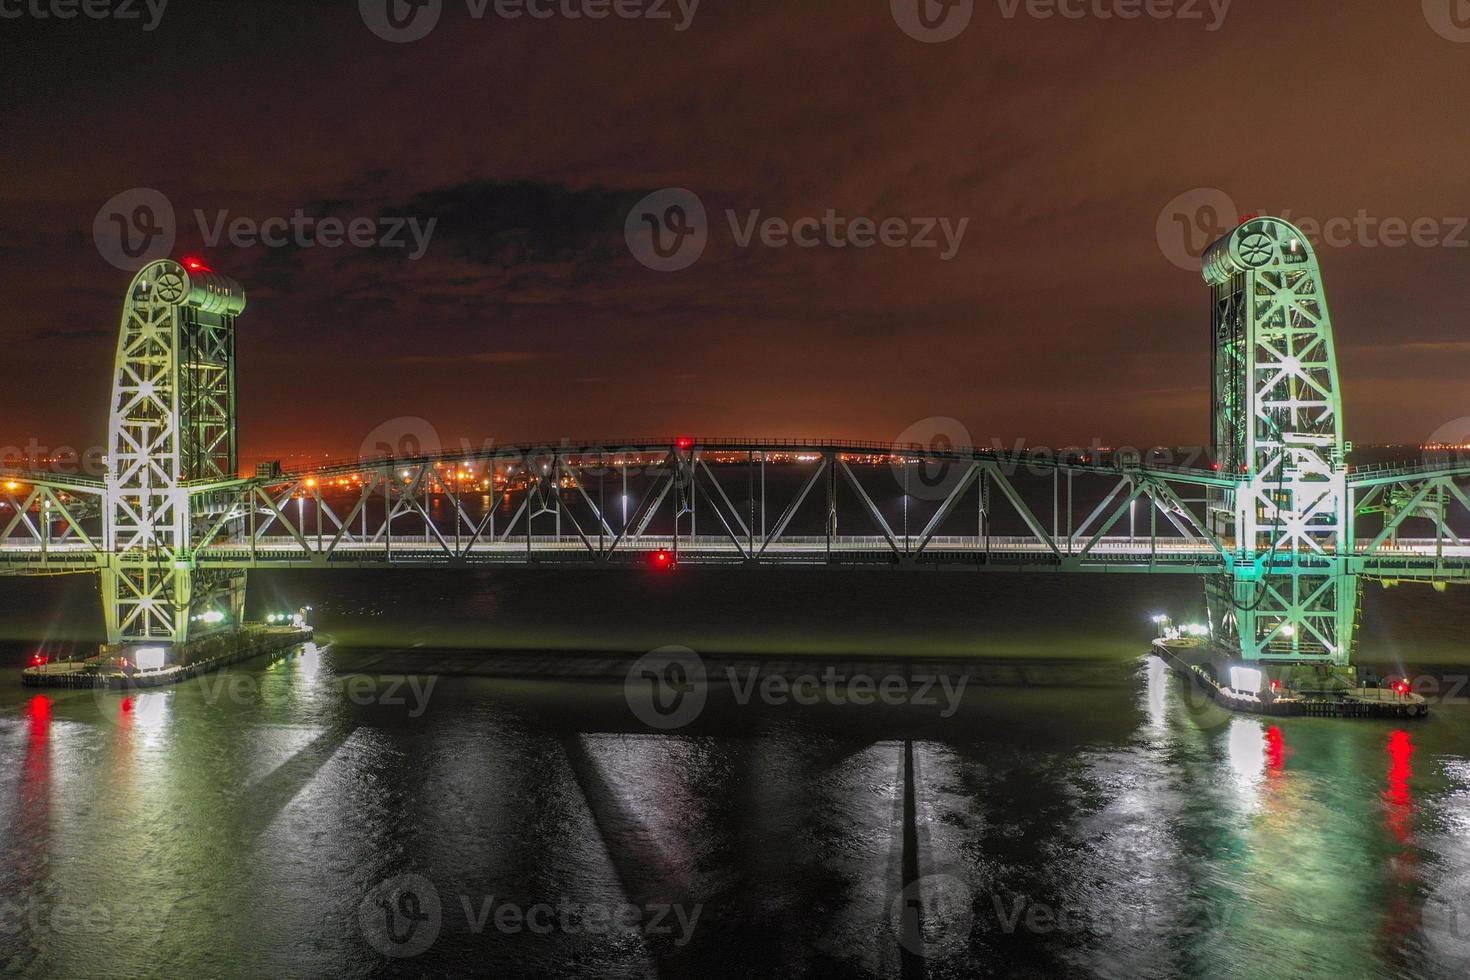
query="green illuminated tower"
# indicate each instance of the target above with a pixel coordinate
(1277, 410)
(171, 437)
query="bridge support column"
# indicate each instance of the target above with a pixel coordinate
(172, 457)
(1290, 594)
(143, 603)
(1309, 615)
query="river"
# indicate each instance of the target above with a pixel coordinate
(1053, 804)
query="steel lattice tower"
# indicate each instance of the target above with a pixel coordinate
(171, 435)
(1277, 412)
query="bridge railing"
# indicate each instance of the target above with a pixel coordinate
(1455, 464)
(790, 542)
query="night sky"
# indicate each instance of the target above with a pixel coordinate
(1063, 141)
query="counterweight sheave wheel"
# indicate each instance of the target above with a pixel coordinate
(170, 287)
(1256, 249)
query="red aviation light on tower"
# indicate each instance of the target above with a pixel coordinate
(684, 443)
(195, 264)
(662, 560)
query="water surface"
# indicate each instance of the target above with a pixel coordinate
(1087, 820)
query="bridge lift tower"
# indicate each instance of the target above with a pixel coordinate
(1289, 593)
(171, 437)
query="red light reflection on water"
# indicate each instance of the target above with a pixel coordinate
(1398, 796)
(40, 714)
(36, 773)
(1403, 911)
(1275, 750)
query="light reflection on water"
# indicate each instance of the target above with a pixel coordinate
(236, 827)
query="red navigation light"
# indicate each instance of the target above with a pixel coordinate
(684, 443)
(1401, 688)
(662, 559)
(38, 660)
(1214, 466)
(196, 265)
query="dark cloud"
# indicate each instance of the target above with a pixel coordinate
(512, 223)
(81, 333)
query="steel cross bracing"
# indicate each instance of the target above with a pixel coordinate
(172, 428)
(1278, 428)
(1080, 516)
(1281, 528)
(422, 515)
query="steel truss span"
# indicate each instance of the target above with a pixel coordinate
(1282, 530)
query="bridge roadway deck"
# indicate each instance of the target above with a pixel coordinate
(1417, 559)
